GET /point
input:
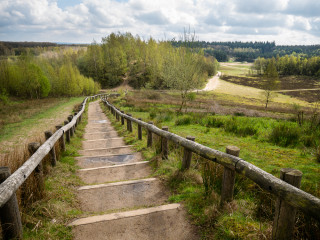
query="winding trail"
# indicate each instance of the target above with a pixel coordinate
(213, 83)
(120, 200)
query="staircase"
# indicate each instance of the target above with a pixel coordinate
(121, 199)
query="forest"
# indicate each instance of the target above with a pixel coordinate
(290, 65)
(249, 51)
(146, 64)
(29, 76)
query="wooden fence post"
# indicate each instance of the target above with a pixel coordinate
(117, 116)
(139, 130)
(164, 144)
(149, 140)
(71, 129)
(38, 172)
(228, 178)
(76, 124)
(187, 156)
(9, 213)
(67, 132)
(285, 214)
(62, 142)
(129, 123)
(122, 118)
(53, 157)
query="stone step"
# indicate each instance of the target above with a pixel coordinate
(100, 135)
(126, 149)
(115, 173)
(156, 223)
(109, 160)
(126, 194)
(98, 125)
(102, 143)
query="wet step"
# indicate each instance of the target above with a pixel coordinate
(102, 143)
(115, 173)
(106, 151)
(126, 194)
(157, 223)
(100, 135)
(109, 160)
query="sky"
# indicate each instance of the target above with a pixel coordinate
(287, 22)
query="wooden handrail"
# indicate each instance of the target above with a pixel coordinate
(304, 201)
(12, 183)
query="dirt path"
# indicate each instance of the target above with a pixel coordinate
(212, 84)
(123, 201)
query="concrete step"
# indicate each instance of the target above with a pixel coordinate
(99, 129)
(100, 135)
(98, 125)
(102, 143)
(126, 149)
(127, 194)
(155, 223)
(115, 173)
(109, 160)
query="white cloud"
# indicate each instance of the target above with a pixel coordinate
(286, 21)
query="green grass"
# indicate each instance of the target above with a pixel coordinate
(48, 218)
(251, 213)
(19, 115)
(234, 69)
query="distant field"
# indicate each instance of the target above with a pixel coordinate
(237, 73)
(235, 69)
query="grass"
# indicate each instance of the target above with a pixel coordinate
(237, 69)
(47, 218)
(250, 215)
(18, 115)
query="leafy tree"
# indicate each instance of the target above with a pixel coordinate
(271, 82)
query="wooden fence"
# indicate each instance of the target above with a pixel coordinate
(289, 196)
(9, 210)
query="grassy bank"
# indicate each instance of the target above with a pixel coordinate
(48, 218)
(19, 116)
(250, 215)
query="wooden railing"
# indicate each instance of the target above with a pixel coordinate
(9, 210)
(290, 197)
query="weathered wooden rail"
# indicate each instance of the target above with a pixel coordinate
(10, 215)
(290, 197)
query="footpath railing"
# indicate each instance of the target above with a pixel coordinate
(9, 209)
(286, 189)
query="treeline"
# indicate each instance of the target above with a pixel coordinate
(151, 64)
(249, 51)
(241, 51)
(290, 65)
(28, 76)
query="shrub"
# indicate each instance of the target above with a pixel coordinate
(153, 113)
(285, 134)
(214, 122)
(184, 120)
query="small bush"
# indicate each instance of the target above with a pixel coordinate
(214, 122)
(166, 117)
(153, 96)
(285, 134)
(153, 114)
(184, 120)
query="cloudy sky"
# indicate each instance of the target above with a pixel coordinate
(82, 21)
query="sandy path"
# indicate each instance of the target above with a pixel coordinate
(213, 83)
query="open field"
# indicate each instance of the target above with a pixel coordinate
(237, 73)
(24, 120)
